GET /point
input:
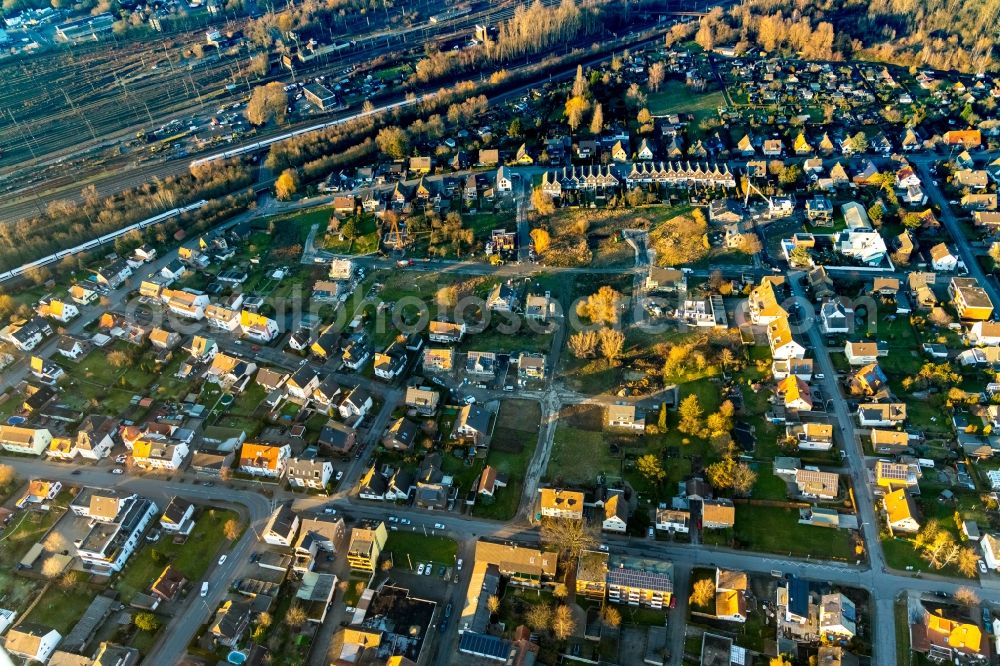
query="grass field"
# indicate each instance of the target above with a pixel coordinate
(777, 530)
(61, 609)
(24, 532)
(578, 456)
(420, 548)
(676, 97)
(191, 558)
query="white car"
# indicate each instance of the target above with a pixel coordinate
(458, 564)
(340, 475)
(329, 512)
(439, 526)
(222, 560)
(120, 459)
(204, 589)
(420, 569)
(429, 569)
(117, 470)
(982, 566)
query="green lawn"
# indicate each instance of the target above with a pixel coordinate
(578, 456)
(902, 633)
(420, 548)
(61, 609)
(768, 485)
(24, 532)
(777, 530)
(676, 97)
(191, 558)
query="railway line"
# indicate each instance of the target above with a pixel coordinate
(119, 94)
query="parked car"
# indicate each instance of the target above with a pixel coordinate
(329, 512)
(439, 526)
(204, 588)
(222, 560)
(420, 569)
(117, 470)
(982, 567)
(340, 475)
(458, 565)
(429, 570)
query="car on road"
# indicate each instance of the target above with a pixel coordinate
(404, 263)
(470, 400)
(651, 533)
(222, 560)
(120, 459)
(982, 567)
(117, 470)
(439, 526)
(604, 547)
(204, 588)
(405, 521)
(441, 571)
(76, 472)
(420, 569)
(340, 475)
(429, 570)
(329, 512)
(393, 519)
(458, 564)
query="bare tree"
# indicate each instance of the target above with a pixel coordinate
(563, 624)
(967, 596)
(569, 536)
(538, 617)
(703, 592)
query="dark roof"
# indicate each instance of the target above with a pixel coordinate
(491, 646)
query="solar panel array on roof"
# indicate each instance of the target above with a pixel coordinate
(481, 644)
(645, 580)
(893, 471)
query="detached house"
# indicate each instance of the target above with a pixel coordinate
(32, 642)
(29, 441)
(901, 512)
(313, 474)
(625, 415)
(558, 503)
(423, 399)
(779, 337)
(264, 459)
(882, 414)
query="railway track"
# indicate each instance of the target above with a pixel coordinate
(96, 95)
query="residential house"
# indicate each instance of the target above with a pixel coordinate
(481, 363)
(178, 516)
(502, 298)
(155, 453)
(281, 527)
(639, 581)
(472, 423)
(423, 399)
(116, 528)
(391, 363)
(625, 415)
(58, 310)
(309, 473)
(795, 394)
(490, 481)
(373, 485)
(32, 642)
(26, 335)
(942, 258)
(889, 441)
(965, 138)
(70, 348)
(337, 438)
(718, 514)
(303, 383)
(970, 300)
(355, 405)
(815, 484)
(666, 280)
(540, 307)
(984, 333)
(163, 339)
(524, 565)
(763, 304)
(559, 503)
(861, 353)
(730, 595)
(616, 512)
(446, 332)
(901, 512)
(357, 351)
(811, 436)
(366, 545)
(268, 460)
(838, 617)
(896, 475)
(779, 337)
(83, 295)
(673, 520)
(505, 180)
(231, 622)
(29, 441)
(797, 367)
(257, 327)
(531, 366)
(836, 318)
(400, 435)
(954, 641)
(438, 359)
(882, 414)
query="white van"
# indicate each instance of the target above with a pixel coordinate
(204, 589)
